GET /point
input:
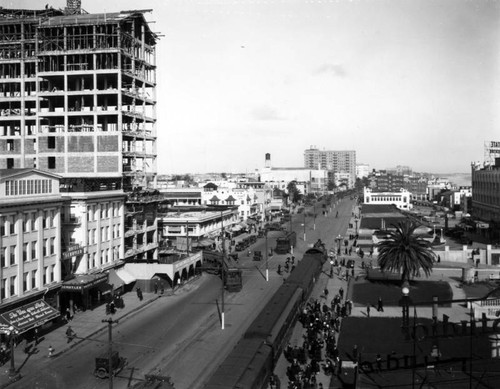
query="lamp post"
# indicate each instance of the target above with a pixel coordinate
(314, 225)
(339, 242)
(267, 263)
(13, 373)
(304, 225)
(331, 267)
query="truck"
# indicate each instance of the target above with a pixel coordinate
(102, 365)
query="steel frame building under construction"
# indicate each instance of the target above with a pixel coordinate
(78, 99)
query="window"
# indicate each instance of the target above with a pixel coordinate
(33, 279)
(51, 162)
(10, 163)
(44, 220)
(33, 250)
(12, 255)
(26, 222)
(3, 254)
(25, 282)
(45, 245)
(45, 271)
(12, 225)
(13, 285)
(52, 273)
(52, 250)
(32, 222)
(4, 282)
(25, 252)
(51, 142)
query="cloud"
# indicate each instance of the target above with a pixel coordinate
(329, 68)
(265, 112)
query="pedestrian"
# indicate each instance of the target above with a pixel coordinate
(36, 336)
(70, 334)
(380, 305)
(139, 293)
(341, 293)
(156, 287)
(69, 316)
(325, 292)
(368, 307)
(51, 351)
(378, 361)
(162, 288)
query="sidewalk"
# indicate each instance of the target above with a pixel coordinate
(85, 324)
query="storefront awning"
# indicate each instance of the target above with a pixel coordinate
(29, 316)
(84, 282)
(114, 280)
(236, 228)
(125, 276)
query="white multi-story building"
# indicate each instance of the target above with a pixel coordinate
(401, 200)
(30, 230)
(362, 170)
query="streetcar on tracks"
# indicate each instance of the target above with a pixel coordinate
(226, 267)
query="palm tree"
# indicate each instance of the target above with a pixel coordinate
(406, 252)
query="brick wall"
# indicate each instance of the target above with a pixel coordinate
(107, 164)
(107, 143)
(80, 164)
(80, 144)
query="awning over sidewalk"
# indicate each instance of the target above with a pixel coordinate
(125, 276)
(114, 279)
(84, 282)
(29, 315)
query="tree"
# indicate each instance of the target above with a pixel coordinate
(405, 252)
(293, 193)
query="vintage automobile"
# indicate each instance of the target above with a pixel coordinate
(102, 365)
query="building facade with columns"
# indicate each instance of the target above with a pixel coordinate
(30, 230)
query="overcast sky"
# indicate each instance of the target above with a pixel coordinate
(402, 82)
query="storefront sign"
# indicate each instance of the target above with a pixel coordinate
(73, 251)
(30, 315)
(82, 283)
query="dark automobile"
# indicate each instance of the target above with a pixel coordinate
(350, 264)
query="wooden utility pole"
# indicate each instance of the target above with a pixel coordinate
(110, 349)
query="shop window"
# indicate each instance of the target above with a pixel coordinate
(51, 162)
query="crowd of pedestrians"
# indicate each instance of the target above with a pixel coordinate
(321, 323)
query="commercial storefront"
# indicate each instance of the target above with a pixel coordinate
(85, 291)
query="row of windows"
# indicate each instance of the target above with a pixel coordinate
(386, 198)
(106, 211)
(8, 223)
(107, 233)
(8, 255)
(27, 187)
(9, 286)
(107, 256)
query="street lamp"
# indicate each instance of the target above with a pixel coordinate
(356, 221)
(331, 267)
(304, 225)
(13, 374)
(339, 242)
(405, 304)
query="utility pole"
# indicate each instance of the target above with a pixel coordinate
(267, 263)
(222, 267)
(110, 348)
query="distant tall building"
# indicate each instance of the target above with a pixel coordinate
(332, 160)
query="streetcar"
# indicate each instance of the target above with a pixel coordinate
(285, 243)
(230, 272)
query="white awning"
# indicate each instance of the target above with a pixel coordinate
(125, 276)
